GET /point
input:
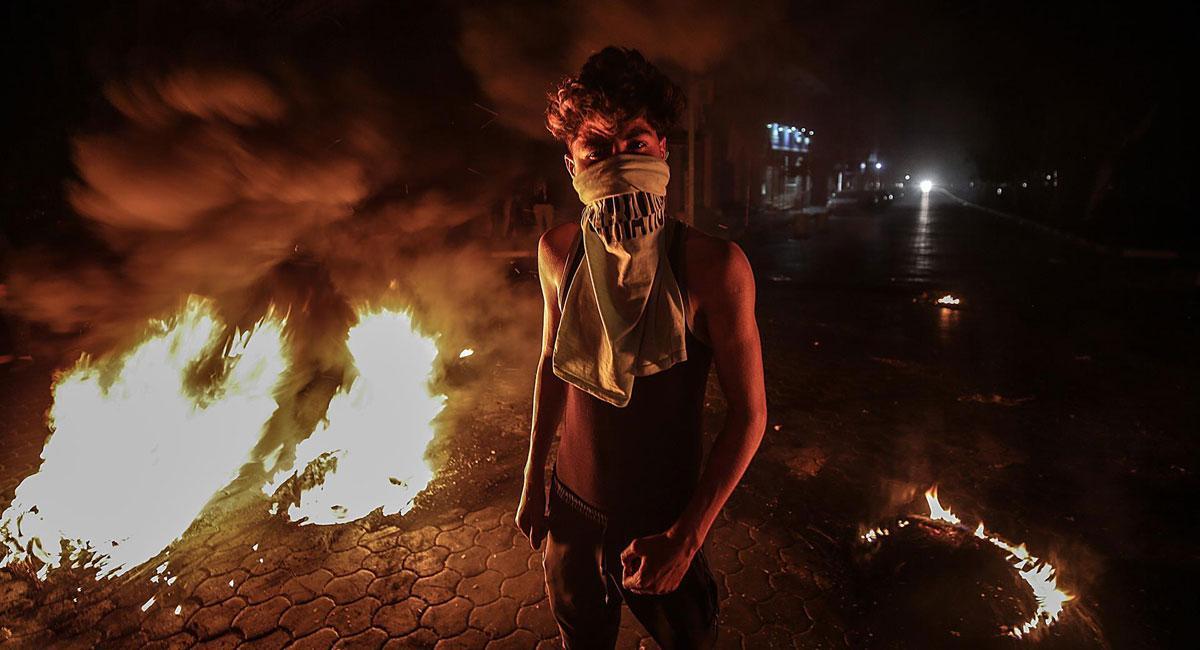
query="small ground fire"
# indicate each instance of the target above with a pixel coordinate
(1039, 575)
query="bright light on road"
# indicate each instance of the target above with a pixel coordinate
(926, 186)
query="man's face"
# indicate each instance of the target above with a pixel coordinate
(599, 139)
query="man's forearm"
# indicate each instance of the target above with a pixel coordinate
(548, 397)
(731, 453)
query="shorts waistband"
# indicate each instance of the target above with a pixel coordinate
(577, 503)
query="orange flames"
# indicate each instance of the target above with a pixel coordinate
(142, 441)
(375, 434)
(1039, 575)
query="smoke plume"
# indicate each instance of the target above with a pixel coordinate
(517, 49)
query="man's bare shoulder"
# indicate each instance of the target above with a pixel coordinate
(553, 248)
(715, 264)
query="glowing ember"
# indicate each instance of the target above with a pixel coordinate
(371, 451)
(142, 441)
(948, 300)
(1039, 575)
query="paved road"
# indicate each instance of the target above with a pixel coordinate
(1056, 403)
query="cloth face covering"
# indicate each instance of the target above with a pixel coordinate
(623, 316)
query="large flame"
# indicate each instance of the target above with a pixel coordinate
(142, 442)
(370, 453)
(135, 452)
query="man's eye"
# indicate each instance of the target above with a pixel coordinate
(637, 145)
(592, 155)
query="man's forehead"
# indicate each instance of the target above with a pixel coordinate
(603, 128)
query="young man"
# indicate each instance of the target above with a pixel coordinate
(637, 308)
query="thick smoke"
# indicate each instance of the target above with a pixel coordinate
(517, 49)
(264, 191)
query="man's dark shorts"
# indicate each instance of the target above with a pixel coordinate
(583, 580)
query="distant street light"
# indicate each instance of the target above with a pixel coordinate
(878, 165)
(926, 186)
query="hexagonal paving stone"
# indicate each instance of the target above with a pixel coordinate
(174, 642)
(497, 619)
(212, 620)
(263, 562)
(120, 622)
(752, 584)
(382, 539)
(273, 641)
(736, 534)
(399, 619)
(163, 622)
(449, 618)
(386, 562)
(257, 589)
(771, 636)
(481, 589)
(343, 563)
(786, 610)
(459, 539)
(512, 562)
(738, 613)
(257, 620)
(304, 619)
(518, 640)
(368, 640)
(527, 588)
(421, 539)
(322, 639)
(226, 641)
(438, 588)
(730, 639)
(306, 587)
(393, 588)
(538, 618)
(723, 557)
(215, 589)
(346, 536)
(428, 562)
(352, 618)
(500, 538)
(422, 638)
(484, 519)
(347, 588)
(468, 640)
(470, 562)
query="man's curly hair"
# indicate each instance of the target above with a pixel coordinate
(615, 84)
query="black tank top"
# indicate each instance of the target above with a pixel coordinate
(643, 461)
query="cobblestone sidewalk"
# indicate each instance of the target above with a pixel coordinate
(460, 580)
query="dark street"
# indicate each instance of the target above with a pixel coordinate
(1056, 402)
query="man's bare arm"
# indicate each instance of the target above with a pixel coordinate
(725, 289)
(549, 395)
(728, 307)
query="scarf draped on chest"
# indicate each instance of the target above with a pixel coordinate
(623, 315)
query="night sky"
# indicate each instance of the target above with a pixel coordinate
(956, 90)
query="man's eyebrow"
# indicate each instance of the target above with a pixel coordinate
(638, 131)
